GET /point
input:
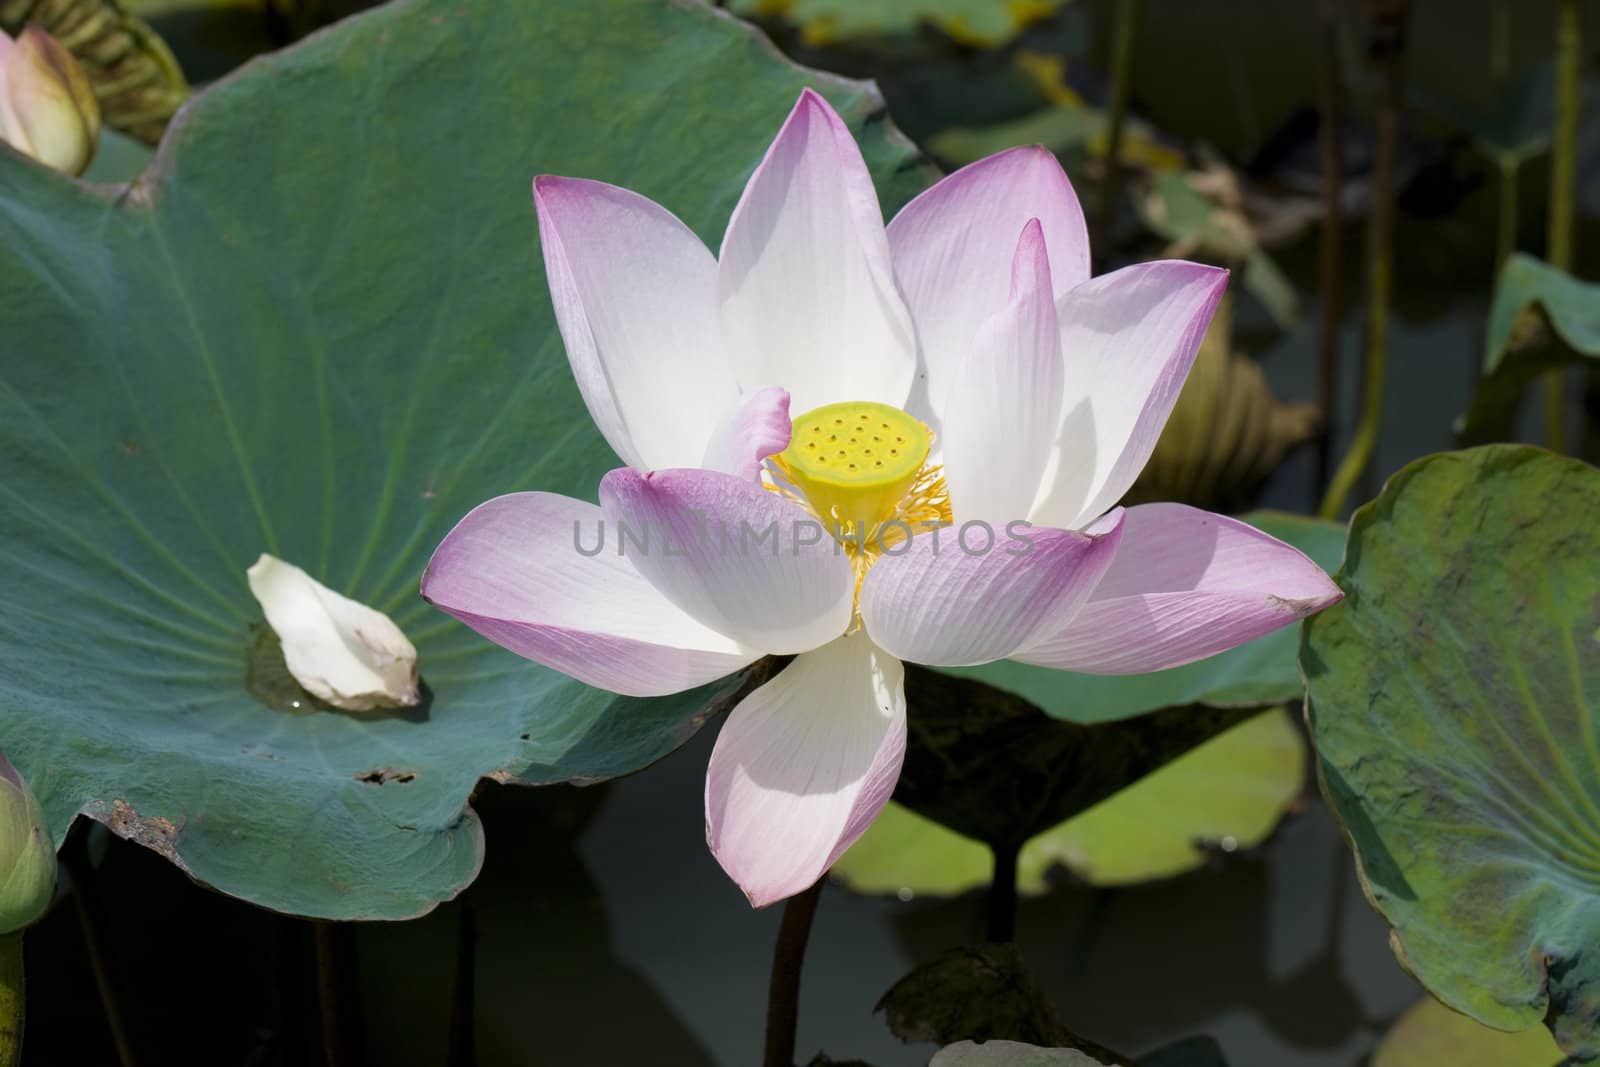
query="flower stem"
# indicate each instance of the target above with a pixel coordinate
(1563, 181)
(1388, 46)
(783, 992)
(1003, 894)
(1116, 113)
(12, 999)
(1331, 243)
(1506, 236)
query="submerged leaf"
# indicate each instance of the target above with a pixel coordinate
(1430, 1034)
(997, 769)
(1454, 702)
(1228, 793)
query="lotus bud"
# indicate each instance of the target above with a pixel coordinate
(47, 106)
(340, 651)
(27, 855)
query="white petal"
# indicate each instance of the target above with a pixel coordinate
(542, 575)
(739, 558)
(955, 598)
(635, 296)
(1185, 584)
(1128, 339)
(807, 292)
(953, 248)
(803, 765)
(1005, 406)
(340, 651)
(755, 427)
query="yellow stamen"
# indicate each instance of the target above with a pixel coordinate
(862, 469)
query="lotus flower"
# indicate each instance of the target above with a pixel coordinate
(959, 366)
(47, 107)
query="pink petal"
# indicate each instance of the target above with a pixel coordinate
(635, 296)
(755, 427)
(953, 248)
(1128, 339)
(734, 555)
(1005, 406)
(803, 765)
(947, 602)
(1185, 584)
(513, 572)
(808, 296)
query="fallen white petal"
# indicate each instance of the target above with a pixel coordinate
(340, 651)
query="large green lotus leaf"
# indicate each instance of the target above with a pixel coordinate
(318, 327)
(118, 159)
(1228, 792)
(1257, 674)
(1542, 319)
(981, 23)
(1430, 1034)
(1454, 702)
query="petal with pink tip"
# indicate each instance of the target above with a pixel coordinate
(736, 556)
(1128, 339)
(523, 570)
(635, 297)
(803, 765)
(755, 427)
(807, 294)
(1185, 584)
(1005, 404)
(953, 247)
(947, 601)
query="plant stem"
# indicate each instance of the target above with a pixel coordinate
(783, 991)
(1388, 47)
(336, 994)
(1003, 894)
(1116, 114)
(13, 999)
(1563, 182)
(1330, 269)
(1506, 235)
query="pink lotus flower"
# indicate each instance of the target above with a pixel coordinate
(959, 364)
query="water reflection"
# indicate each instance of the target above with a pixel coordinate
(548, 987)
(1274, 952)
